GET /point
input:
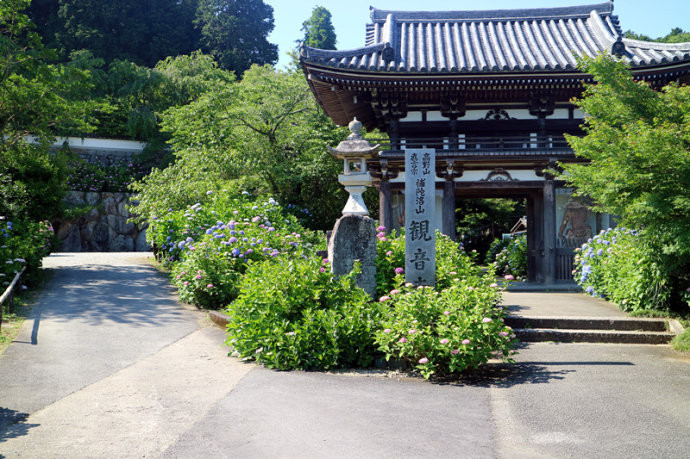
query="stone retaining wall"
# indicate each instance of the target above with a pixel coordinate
(104, 228)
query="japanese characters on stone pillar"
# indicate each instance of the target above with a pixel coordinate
(420, 201)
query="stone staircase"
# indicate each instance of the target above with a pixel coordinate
(594, 329)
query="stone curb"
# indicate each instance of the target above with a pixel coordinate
(589, 323)
(593, 336)
(675, 327)
(218, 318)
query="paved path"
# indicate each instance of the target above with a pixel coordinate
(118, 368)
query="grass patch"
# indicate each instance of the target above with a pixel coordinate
(650, 313)
(12, 323)
(681, 342)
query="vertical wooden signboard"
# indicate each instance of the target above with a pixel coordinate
(420, 202)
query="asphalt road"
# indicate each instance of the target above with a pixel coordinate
(119, 368)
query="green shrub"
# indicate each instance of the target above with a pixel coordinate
(23, 243)
(620, 265)
(447, 330)
(32, 182)
(292, 314)
(512, 259)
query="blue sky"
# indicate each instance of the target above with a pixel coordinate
(654, 18)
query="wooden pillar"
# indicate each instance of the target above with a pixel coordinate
(549, 263)
(448, 226)
(394, 134)
(385, 205)
(532, 253)
(538, 238)
(453, 135)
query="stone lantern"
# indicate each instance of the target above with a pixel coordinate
(354, 151)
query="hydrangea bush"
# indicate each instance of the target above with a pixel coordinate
(115, 177)
(445, 331)
(455, 326)
(287, 311)
(617, 264)
(512, 258)
(209, 246)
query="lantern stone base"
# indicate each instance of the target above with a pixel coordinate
(354, 238)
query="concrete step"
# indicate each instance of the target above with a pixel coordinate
(589, 323)
(593, 336)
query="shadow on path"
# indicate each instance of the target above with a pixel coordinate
(12, 424)
(132, 295)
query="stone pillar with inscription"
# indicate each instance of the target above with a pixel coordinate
(420, 203)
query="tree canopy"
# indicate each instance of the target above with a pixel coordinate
(147, 31)
(318, 29)
(676, 35)
(234, 32)
(39, 99)
(264, 133)
(637, 147)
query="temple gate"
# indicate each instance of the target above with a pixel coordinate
(489, 92)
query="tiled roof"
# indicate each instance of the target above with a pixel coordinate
(525, 40)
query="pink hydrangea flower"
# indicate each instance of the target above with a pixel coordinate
(186, 282)
(399, 270)
(423, 360)
(509, 277)
(198, 276)
(389, 253)
(409, 284)
(446, 313)
(412, 331)
(387, 330)
(494, 285)
(402, 340)
(384, 298)
(381, 228)
(465, 341)
(487, 320)
(322, 269)
(395, 291)
(455, 351)
(503, 333)
(381, 234)
(209, 285)
(444, 341)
